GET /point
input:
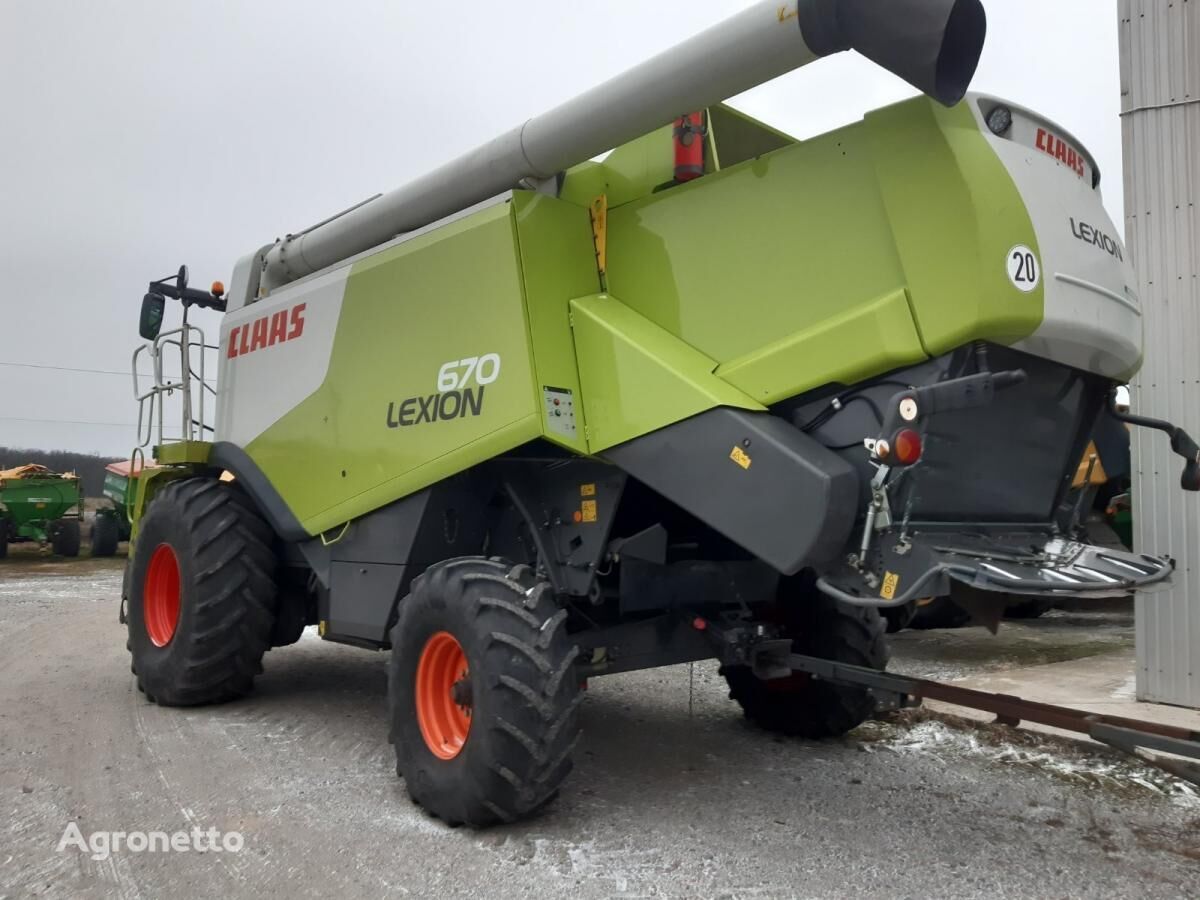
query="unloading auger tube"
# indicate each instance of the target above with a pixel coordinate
(934, 45)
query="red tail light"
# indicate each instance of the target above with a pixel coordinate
(906, 446)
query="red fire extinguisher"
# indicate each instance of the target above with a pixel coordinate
(691, 132)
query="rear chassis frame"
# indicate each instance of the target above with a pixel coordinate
(1132, 736)
(677, 639)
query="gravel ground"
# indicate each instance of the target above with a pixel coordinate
(1058, 636)
(673, 795)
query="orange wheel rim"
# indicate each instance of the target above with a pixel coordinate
(160, 596)
(443, 696)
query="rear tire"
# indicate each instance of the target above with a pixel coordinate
(106, 534)
(201, 594)
(489, 634)
(799, 705)
(897, 618)
(5, 533)
(64, 538)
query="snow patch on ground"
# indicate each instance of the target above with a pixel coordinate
(92, 588)
(1127, 690)
(936, 738)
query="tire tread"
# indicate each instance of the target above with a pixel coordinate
(233, 593)
(533, 726)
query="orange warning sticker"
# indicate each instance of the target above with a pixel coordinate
(891, 581)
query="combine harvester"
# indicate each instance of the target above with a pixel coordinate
(35, 506)
(534, 419)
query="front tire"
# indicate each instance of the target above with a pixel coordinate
(799, 705)
(201, 594)
(106, 534)
(482, 692)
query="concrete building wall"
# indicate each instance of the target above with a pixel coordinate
(1160, 87)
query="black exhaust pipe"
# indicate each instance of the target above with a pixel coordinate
(934, 45)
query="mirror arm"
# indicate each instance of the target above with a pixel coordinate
(1181, 442)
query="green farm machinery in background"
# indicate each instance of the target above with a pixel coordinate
(35, 505)
(112, 524)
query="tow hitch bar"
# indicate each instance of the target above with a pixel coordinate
(770, 658)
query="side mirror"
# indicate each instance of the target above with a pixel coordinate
(151, 319)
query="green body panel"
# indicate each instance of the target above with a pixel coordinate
(558, 262)
(818, 354)
(953, 213)
(638, 377)
(736, 137)
(408, 310)
(792, 265)
(767, 253)
(30, 504)
(149, 483)
(179, 453)
(735, 261)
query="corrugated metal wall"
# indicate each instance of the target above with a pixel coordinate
(1160, 86)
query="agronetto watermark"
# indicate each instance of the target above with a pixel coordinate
(100, 845)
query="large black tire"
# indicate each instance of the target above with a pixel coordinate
(801, 706)
(64, 537)
(224, 584)
(941, 612)
(897, 618)
(106, 534)
(4, 536)
(292, 604)
(521, 689)
(1029, 608)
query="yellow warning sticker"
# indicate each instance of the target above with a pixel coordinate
(740, 457)
(587, 490)
(588, 508)
(891, 581)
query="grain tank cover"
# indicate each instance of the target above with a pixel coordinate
(932, 44)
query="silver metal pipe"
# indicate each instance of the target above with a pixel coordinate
(932, 44)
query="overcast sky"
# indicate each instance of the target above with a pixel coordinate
(140, 135)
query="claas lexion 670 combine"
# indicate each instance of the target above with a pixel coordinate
(536, 418)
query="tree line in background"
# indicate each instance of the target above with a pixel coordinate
(88, 466)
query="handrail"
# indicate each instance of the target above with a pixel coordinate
(191, 385)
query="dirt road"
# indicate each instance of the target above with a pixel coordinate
(673, 795)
